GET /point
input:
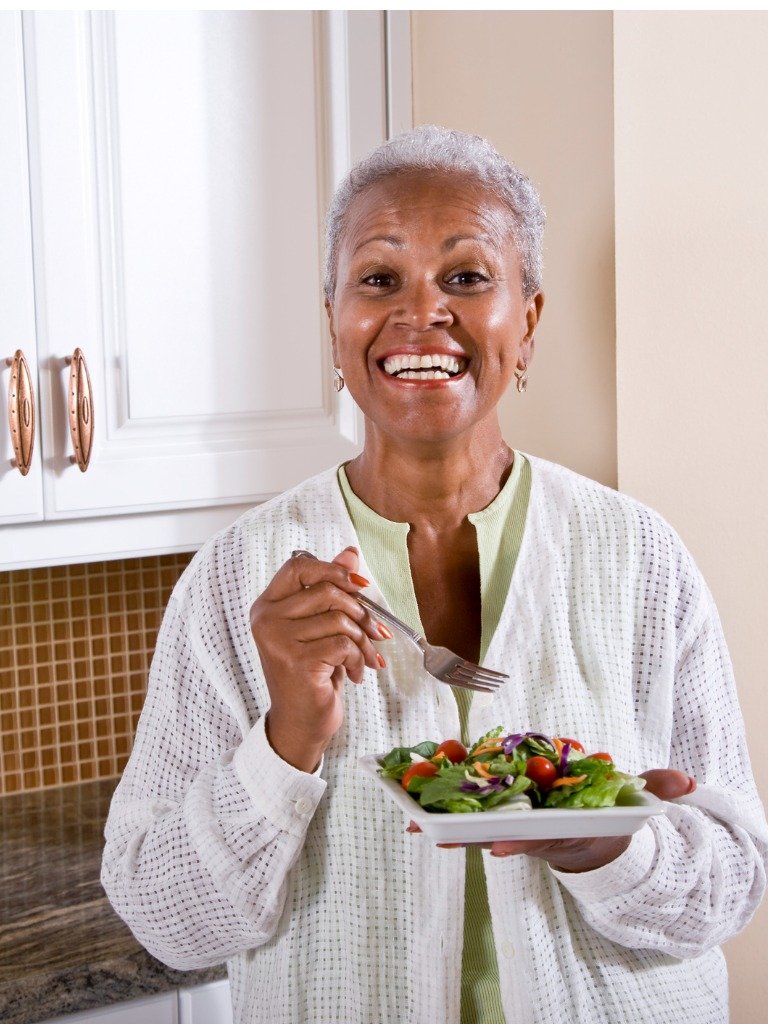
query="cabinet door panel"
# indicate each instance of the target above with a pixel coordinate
(160, 1009)
(206, 1004)
(218, 206)
(21, 497)
(182, 165)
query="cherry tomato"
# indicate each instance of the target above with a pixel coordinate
(574, 743)
(602, 756)
(541, 771)
(455, 752)
(423, 768)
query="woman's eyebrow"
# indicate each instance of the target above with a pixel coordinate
(446, 246)
(392, 240)
(454, 240)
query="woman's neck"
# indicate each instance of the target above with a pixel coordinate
(435, 483)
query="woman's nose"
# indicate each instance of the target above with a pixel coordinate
(422, 305)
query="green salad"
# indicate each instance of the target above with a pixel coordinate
(523, 770)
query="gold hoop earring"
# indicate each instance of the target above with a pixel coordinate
(338, 380)
(522, 379)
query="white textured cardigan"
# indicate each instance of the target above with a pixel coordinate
(327, 911)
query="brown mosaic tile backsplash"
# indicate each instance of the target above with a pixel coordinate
(75, 646)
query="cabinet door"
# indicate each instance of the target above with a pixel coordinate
(160, 1009)
(182, 163)
(21, 497)
(206, 1004)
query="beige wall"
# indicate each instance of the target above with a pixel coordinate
(686, 428)
(521, 80)
(692, 332)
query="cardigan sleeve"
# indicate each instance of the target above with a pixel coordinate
(207, 820)
(692, 878)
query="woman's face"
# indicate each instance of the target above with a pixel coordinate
(428, 320)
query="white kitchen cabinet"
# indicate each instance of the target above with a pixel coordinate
(206, 1004)
(21, 496)
(179, 168)
(161, 1009)
(209, 1003)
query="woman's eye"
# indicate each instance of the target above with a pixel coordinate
(467, 277)
(379, 280)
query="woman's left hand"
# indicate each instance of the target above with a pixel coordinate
(588, 854)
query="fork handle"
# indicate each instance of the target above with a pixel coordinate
(371, 606)
(388, 617)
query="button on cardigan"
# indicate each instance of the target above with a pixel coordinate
(334, 914)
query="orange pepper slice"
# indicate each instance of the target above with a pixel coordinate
(568, 780)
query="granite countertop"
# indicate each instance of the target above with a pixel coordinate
(62, 947)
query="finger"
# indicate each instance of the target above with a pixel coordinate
(336, 623)
(509, 848)
(346, 654)
(668, 783)
(413, 827)
(349, 558)
(320, 659)
(540, 847)
(303, 571)
(327, 596)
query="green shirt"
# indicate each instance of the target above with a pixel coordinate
(499, 528)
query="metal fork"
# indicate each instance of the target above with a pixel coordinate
(442, 664)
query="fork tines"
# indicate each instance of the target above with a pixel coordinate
(476, 678)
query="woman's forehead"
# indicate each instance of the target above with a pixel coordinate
(453, 204)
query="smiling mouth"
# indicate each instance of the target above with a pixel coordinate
(431, 366)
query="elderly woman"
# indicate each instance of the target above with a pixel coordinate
(242, 830)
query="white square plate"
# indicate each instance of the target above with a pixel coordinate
(507, 823)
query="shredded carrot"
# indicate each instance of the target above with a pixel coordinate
(482, 770)
(568, 780)
(558, 744)
(494, 748)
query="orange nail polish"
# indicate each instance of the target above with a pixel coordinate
(360, 581)
(386, 633)
(380, 659)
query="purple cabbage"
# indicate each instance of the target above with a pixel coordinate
(564, 758)
(509, 743)
(490, 785)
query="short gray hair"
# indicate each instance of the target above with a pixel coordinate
(432, 148)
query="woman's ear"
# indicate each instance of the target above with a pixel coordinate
(532, 317)
(533, 313)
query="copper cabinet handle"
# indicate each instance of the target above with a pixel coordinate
(80, 404)
(21, 412)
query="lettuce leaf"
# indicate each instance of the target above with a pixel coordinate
(601, 788)
(398, 761)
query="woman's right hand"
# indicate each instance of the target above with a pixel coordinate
(311, 634)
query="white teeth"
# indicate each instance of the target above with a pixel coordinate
(436, 365)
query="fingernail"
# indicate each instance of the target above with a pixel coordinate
(494, 854)
(359, 580)
(380, 659)
(386, 633)
(352, 548)
(691, 785)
